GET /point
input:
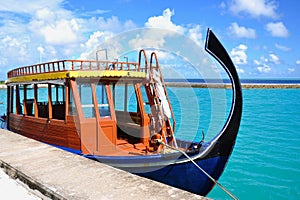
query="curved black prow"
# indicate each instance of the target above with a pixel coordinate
(224, 142)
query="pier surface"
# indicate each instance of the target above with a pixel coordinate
(62, 175)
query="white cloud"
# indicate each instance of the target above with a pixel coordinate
(92, 45)
(290, 70)
(239, 55)
(112, 24)
(148, 39)
(277, 29)
(240, 71)
(282, 48)
(254, 8)
(164, 21)
(265, 64)
(264, 68)
(298, 62)
(274, 58)
(55, 27)
(62, 32)
(195, 34)
(241, 31)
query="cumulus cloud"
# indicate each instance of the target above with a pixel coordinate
(262, 67)
(239, 55)
(277, 29)
(195, 34)
(164, 21)
(62, 33)
(241, 31)
(254, 8)
(265, 64)
(298, 62)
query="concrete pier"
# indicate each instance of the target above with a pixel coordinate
(62, 175)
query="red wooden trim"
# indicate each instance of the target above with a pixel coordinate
(67, 100)
(76, 99)
(50, 101)
(24, 101)
(35, 89)
(110, 102)
(17, 105)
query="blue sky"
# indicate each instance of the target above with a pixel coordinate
(261, 36)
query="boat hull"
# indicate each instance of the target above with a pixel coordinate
(172, 169)
(188, 177)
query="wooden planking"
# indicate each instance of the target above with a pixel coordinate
(49, 131)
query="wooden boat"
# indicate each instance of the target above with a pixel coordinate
(79, 114)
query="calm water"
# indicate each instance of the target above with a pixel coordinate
(265, 162)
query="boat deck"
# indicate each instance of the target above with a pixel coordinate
(125, 148)
(62, 175)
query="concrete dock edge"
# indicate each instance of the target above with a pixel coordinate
(62, 175)
(30, 182)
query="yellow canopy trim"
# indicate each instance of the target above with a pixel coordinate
(77, 74)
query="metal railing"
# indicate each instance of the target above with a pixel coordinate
(73, 65)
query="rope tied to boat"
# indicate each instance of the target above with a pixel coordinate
(202, 170)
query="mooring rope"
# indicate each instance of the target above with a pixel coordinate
(202, 170)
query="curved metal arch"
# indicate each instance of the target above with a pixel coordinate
(153, 54)
(145, 58)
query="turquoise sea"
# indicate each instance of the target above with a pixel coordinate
(265, 162)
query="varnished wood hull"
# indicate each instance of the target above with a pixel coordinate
(54, 132)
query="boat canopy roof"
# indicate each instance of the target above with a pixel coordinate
(63, 69)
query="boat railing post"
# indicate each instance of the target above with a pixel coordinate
(64, 66)
(126, 58)
(145, 58)
(106, 58)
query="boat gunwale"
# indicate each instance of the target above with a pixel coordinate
(52, 76)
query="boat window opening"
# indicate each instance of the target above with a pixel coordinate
(72, 107)
(21, 100)
(11, 99)
(85, 93)
(132, 105)
(57, 94)
(119, 92)
(29, 100)
(102, 99)
(126, 109)
(17, 106)
(42, 100)
(145, 100)
(113, 89)
(58, 101)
